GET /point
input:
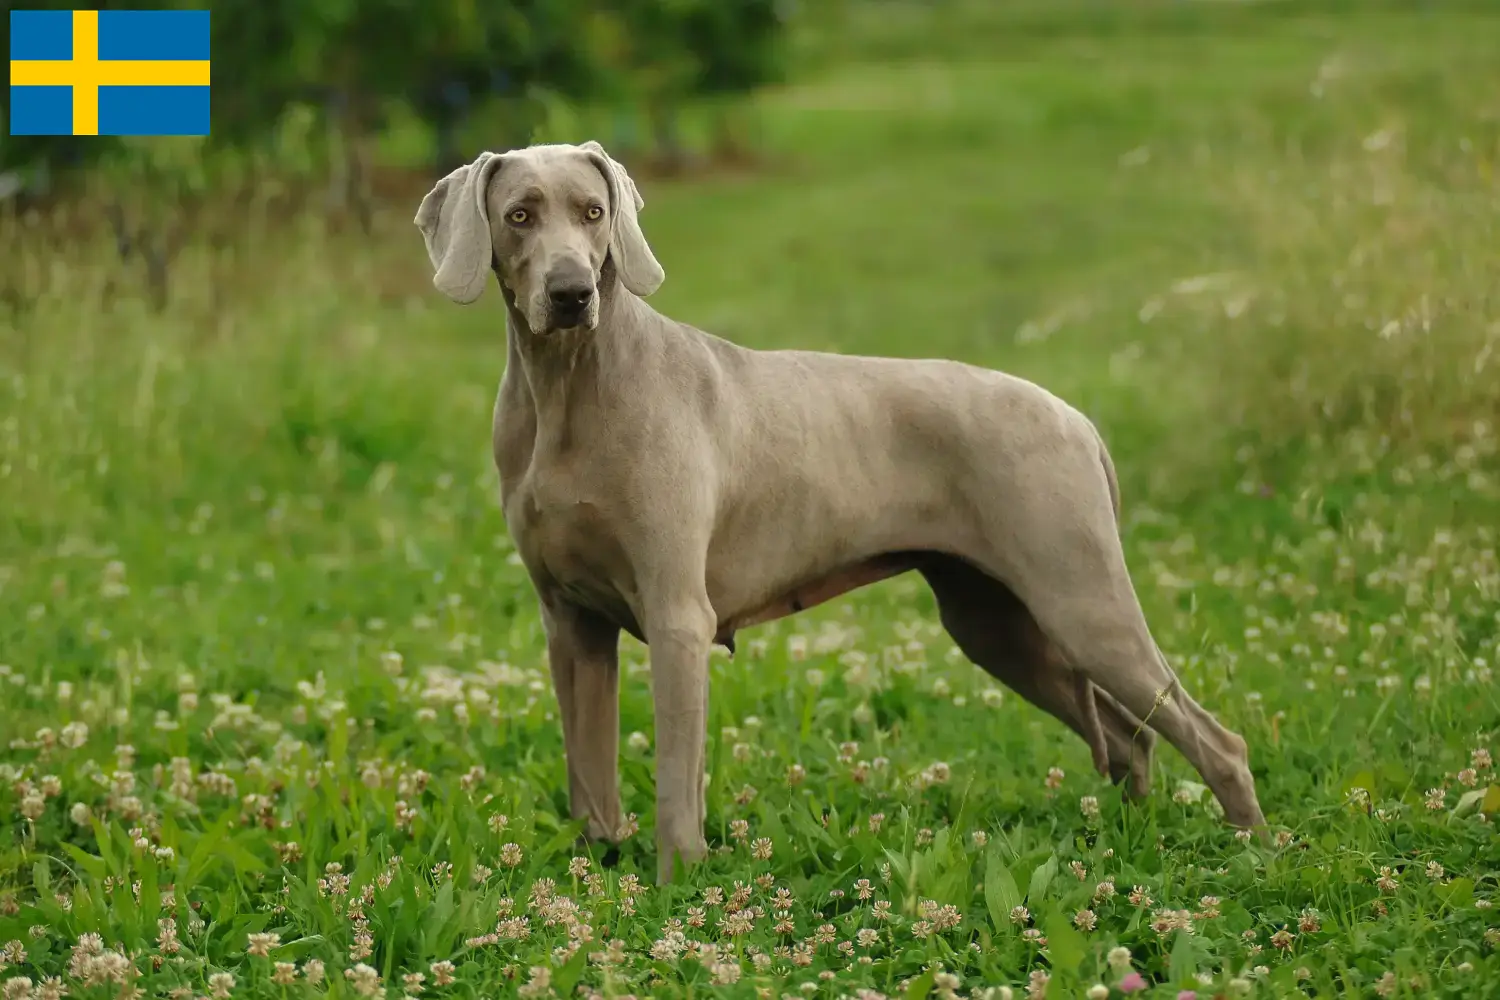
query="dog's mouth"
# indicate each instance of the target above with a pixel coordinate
(568, 324)
(580, 320)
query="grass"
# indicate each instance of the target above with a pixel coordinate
(276, 701)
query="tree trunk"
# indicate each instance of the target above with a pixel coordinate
(670, 155)
(348, 171)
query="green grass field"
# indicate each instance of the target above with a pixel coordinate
(277, 717)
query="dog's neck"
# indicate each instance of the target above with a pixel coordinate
(556, 366)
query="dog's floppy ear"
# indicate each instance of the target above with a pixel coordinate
(636, 264)
(455, 225)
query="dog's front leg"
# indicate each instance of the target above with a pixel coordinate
(679, 631)
(583, 651)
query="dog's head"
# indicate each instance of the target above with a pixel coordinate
(546, 218)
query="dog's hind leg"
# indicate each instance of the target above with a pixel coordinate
(995, 631)
(1065, 564)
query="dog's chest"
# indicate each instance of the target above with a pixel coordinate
(562, 532)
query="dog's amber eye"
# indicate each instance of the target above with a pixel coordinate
(594, 213)
(518, 216)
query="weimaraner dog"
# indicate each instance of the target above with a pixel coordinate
(663, 481)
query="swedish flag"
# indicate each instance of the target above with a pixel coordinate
(112, 72)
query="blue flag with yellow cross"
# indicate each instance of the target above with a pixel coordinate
(110, 72)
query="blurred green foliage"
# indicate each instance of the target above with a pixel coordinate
(356, 62)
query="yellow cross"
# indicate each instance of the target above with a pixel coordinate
(86, 73)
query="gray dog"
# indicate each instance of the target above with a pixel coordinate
(660, 480)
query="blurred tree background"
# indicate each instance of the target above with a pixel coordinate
(316, 97)
(335, 74)
(355, 65)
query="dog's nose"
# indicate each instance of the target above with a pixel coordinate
(570, 300)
